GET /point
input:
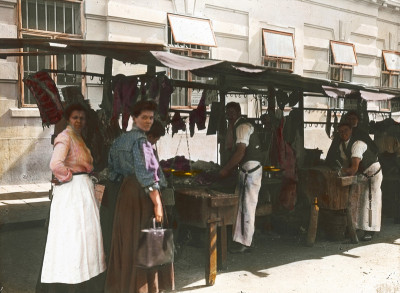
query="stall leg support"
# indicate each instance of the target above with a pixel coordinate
(222, 248)
(350, 226)
(211, 254)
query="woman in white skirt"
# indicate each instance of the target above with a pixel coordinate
(74, 257)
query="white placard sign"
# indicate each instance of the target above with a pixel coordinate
(190, 30)
(344, 53)
(392, 60)
(278, 44)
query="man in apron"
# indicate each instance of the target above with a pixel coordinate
(357, 157)
(245, 154)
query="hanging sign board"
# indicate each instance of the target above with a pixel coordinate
(392, 60)
(278, 44)
(343, 53)
(192, 30)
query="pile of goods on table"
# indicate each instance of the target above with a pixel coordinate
(181, 171)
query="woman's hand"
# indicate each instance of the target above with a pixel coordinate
(158, 210)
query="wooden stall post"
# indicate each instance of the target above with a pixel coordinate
(222, 247)
(271, 100)
(211, 253)
(107, 101)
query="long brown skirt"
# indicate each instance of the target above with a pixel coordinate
(133, 213)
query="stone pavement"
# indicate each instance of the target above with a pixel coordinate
(278, 263)
(24, 203)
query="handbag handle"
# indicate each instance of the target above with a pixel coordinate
(155, 224)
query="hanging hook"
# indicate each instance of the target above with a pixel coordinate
(91, 77)
(305, 125)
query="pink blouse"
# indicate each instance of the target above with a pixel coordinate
(70, 155)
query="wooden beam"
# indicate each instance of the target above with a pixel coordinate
(107, 101)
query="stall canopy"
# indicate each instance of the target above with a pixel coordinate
(234, 76)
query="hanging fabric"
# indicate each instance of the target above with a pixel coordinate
(48, 100)
(177, 123)
(166, 90)
(125, 96)
(281, 99)
(214, 118)
(198, 115)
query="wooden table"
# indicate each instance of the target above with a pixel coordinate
(209, 209)
(332, 191)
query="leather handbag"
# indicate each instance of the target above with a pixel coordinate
(156, 247)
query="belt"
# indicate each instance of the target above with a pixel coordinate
(80, 173)
(56, 182)
(249, 171)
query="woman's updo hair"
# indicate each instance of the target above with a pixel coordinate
(141, 106)
(73, 107)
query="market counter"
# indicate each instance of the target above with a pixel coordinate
(333, 192)
(324, 183)
(206, 208)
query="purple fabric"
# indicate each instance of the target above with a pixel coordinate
(150, 160)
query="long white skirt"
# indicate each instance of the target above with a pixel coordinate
(74, 248)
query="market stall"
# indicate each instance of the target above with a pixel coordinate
(206, 206)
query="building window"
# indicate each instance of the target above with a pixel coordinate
(192, 37)
(390, 69)
(342, 59)
(278, 50)
(336, 103)
(50, 19)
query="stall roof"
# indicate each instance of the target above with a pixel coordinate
(239, 75)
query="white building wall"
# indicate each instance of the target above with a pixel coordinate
(25, 147)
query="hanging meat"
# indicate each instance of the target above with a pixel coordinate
(47, 97)
(125, 96)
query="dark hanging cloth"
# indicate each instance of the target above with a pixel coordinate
(198, 115)
(166, 91)
(48, 100)
(177, 123)
(214, 118)
(282, 99)
(294, 98)
(154, 90)
(292, 125)
(125, 96)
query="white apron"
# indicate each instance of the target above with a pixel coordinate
(74, 248)
(362, 209)
(252, 188)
